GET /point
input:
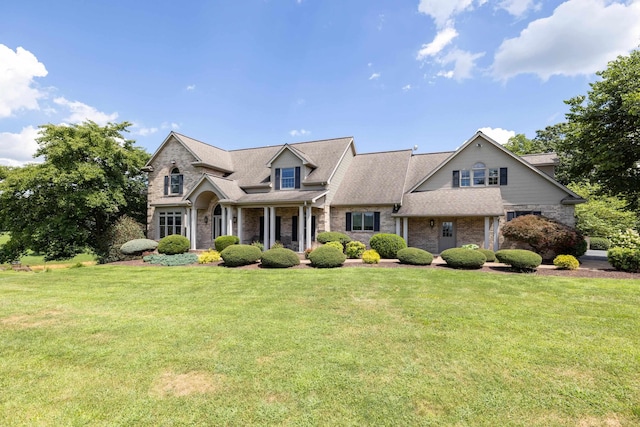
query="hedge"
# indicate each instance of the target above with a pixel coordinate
(624, 259)
(519, 259)
(463, 258)
(387, 245)
(137, 246)
(414, 256)
(237, 255)
(327, 257)
(173, 244)
(333, 236)
(222, 242)
(279, 258)
(599, 244)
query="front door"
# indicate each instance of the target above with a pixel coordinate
(447, 235)
(216, 222)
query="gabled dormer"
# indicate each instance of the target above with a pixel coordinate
(289, 166)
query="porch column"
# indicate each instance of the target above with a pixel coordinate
(239, 224)
(398, 226)
(405, 229)
(194, 227)
(308, 238)
(272, 226)
(224, 221)
(265, 226)
(229, 221)
(301, 229)
(487, 237)
(496, 233)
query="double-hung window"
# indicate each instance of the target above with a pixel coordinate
(465, 178)
(288, 178)
(169, 223)
(479, 176)
(494, 175)
(363, 221)
(173, 183)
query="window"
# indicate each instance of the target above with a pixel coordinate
(493, 177)
(478, 174)
(465, 179)
(173, 183)
(481, 176)
(363, 221)
(288, 179)
(169, 223)
(514, 214)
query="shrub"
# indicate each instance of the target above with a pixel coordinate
(258, 244)
(519, 259)
(172, 260)
(370, 257)
(222, 242)
(566, 262)
(414, 256)
(124, 229)
(173, 244)
(237, 255)
(355, 249)
(470, 246)
(599, 244)
(336, 245)
(277, 245)
(327, 257)
(137, 246)
(463, 258)
(628, 239)
(624, 259)
(279, 258)
(387, 245)
(208, 257)
(333, 236)
(488, 254)
(545, 236)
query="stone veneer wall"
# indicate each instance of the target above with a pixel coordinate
(338, 221)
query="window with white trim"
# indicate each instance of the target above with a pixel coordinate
(465, 178)
(479, 176)
(169, 222)
(363, 221)
(287, 178)
(173, 183)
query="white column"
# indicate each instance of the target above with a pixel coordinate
(301, 229)
(398, 226)
(224, 221)
(496, 233)
(405, 229)
(308, 238)
(272, 226)
(194, 227)
(239, 224)
(229, 221)
(265, 226)
(487, 235)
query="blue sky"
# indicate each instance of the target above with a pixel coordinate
(236, 74)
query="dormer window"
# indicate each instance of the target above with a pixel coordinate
(288, 178)
(173, 183)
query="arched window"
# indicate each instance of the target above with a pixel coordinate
(173, 183)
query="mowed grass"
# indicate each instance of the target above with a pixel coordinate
(114, 345)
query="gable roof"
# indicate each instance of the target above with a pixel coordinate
(204, 154)
(457, 202)
(305, 160)
(225, 188)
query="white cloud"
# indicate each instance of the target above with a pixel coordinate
(374, 76)
(16, 149)
(463, 64)
(81, 112)
(500, 135)
(518, 8)
(440, 41)
(580, 37)
(191, 87)
(406, 88)
(300, 132)
(146, 131)
(172, 126)
(443, 11)
(17, 71)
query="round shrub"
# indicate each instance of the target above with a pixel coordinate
(336, 245)
(414, 256)
(624, 259)
(327, 257)
(488, 254)
(208, 257)
(222, 242)
(463, 258)
(566, 262)
(137, 246)
(171, 260)
(599, 244)
(333, 236)
(173, 244)
(354, 249)
(279, 258)
(519, 259)
(370, 257)
(237, 255)
(387, 245)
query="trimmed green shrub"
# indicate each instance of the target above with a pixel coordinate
(566, 262)
(599, 244)
(207, 257)
(624, 259)
(488, 254)
(354, 249)
(327, 257)
(387, 245)
(172, 260)
(237, 255)
(258, 244)
(370, 257)
(222, 242)
(333, 236)
(124, 229)
(173, 244)
(414, 256)
(336, 245)
(279, 258)
(137, 246)
(463, 258)
(519, 259)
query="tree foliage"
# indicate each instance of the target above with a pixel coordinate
(91, 175)
(602, 133)
(545, 236)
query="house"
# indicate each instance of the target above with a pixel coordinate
(291, 192)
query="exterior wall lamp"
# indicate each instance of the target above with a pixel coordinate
(206, 219)
(432, 223)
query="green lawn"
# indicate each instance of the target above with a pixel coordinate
(108, 345)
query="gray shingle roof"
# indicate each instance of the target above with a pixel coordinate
(208, 154)
(374, 178)
(456, 202)
(422, 165)
(542, 159)
(281, 197)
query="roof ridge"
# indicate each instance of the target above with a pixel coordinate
(385, 152)
(197, 140)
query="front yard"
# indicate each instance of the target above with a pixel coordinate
(116, 345)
